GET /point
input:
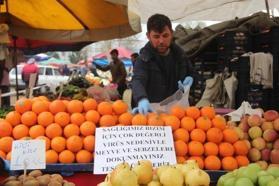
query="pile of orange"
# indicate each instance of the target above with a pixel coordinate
(202, 135)
(68, 127)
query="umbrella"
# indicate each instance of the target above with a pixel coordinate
(104, 62)
(122, 53)
(68, 20)
(54, 61)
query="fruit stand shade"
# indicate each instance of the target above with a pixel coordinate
(68, 20)
(31, 47)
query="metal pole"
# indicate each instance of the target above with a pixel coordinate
(267, 8)
(15, 64)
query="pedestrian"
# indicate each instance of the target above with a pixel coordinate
(4, 83)
(117, 70)
(134, 58)
(161, 67)
(30, 68)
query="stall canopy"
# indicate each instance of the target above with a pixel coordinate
(68, 20)
(31, 47)
(196, 10)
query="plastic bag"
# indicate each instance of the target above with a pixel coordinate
(112, 91)
(98, 93)
(178, 98)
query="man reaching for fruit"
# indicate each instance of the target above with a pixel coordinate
(160, 67)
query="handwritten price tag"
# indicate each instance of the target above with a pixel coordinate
(28, 154)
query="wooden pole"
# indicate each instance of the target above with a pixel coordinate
(267, 8)
(15, 64)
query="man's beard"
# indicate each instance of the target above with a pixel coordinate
(162, 49)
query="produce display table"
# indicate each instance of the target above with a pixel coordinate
(85, 179)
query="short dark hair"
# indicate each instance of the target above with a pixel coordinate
(157, 23)
(114, 51)
(134, 55)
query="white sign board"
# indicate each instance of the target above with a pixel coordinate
(130, 144)
(28, 154)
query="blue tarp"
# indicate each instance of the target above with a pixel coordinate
(104, 62)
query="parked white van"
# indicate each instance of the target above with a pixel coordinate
(48, 75)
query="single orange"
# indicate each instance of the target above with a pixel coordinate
(172, 121)
(36, 131)
(5, 128)
(188, 123)
(89, 143)
(177, 111)
(92, 115)
(77, 118)
(45, 118)
(53, 130)
(13, 118)
(84, 156)
(125, 118)
(193, 112)
(51, 156)
(212, 163)
(211, 149)
(107, 121)
(198, 135)
(89, 104)
(181, 148)
(229, 163)
(58, 144)
(119, 107)
(71, 130)
(181, 134)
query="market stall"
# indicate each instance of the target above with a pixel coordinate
(80, 132)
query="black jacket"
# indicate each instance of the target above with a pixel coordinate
(149, 80)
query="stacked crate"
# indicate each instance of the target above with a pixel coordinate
(205, 66)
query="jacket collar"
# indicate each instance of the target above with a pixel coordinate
(147, 53)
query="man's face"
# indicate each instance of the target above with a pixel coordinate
(113, 55)
(160, 41)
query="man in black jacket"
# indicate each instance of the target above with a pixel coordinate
(118, 71)
(161, 66)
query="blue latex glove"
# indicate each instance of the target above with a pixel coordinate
(188, 81)
(143, 107)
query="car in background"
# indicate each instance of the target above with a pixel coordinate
(48, 75)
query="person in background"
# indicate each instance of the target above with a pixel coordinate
(117, 70)
(29, 68)
(84, 69)
(4, 83)
(65, 70)
(134, 58)
(92, 68)
(161, 67)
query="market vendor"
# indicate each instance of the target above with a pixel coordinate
(117, 70)
(161, 68)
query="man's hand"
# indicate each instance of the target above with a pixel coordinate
(188, 81)
(143, 107)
